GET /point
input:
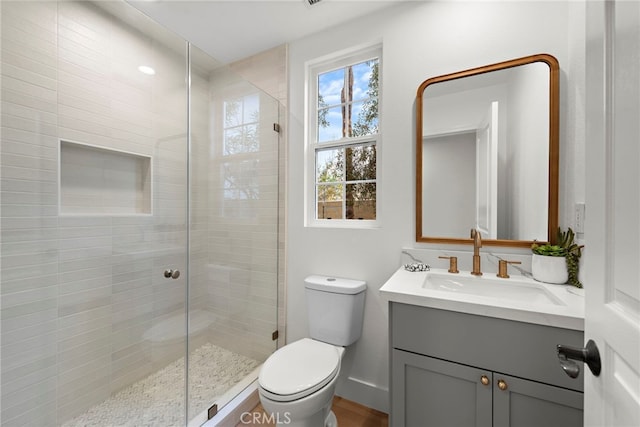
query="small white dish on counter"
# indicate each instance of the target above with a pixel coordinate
(516, 298)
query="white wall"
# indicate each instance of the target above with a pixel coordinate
(450, 208)
(527, 134)
(420, 40)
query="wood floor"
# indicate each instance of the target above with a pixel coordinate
(348, 413)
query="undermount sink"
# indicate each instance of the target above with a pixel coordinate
(505, 289)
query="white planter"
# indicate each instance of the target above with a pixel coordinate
(549, 269)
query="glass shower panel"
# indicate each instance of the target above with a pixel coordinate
(94, 210)
(233, 264)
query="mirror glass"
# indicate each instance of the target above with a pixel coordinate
(487, 154)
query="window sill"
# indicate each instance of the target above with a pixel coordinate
(341, 223)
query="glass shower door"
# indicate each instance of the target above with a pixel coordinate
(134, 72)
(233, 260)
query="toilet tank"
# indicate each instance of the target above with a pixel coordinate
(336, 308)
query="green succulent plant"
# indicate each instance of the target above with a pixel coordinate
(548, 250)
(565, 247)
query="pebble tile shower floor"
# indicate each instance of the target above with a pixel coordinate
(154, 402)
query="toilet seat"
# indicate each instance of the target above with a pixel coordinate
(298, 370)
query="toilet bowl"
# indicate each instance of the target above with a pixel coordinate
(296, 384)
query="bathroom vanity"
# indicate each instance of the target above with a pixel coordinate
(481, 351)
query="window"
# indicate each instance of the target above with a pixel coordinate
(343, 138)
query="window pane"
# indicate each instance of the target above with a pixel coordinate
(329, 165)
(365, 118)
(330, 87)
(330, 201)
(361, 201)
(329, 124)
(365, 80)
(360, 163)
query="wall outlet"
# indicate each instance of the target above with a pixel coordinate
(579, 218)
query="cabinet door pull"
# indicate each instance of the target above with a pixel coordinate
(502, 385)
(484, 380)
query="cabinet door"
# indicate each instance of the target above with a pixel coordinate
(521, 403)
(432, 392)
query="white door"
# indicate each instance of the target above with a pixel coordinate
(487, 174)
(612, 222)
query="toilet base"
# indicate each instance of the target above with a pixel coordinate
(302, 414)
(314, 421)
(331, 420)
(311, 411)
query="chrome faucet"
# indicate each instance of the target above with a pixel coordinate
(477, 244)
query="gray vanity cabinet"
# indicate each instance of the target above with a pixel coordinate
(433, 392)
(530, 403)
(458, 369)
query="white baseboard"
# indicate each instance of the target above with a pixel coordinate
(364, 393)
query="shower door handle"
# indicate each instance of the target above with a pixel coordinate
(171, 274)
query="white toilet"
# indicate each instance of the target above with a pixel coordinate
(297, 382)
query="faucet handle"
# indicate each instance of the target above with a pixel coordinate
(453, 263)
(502, 268)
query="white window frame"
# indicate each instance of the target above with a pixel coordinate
(313, 69)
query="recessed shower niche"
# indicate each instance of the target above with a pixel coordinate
(100, 181)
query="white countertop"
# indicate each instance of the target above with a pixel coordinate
(568, 312)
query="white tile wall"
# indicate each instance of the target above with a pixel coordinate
(79, 292)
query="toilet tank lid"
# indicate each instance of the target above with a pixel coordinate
(335, 284)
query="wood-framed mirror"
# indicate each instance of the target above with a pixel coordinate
(487, 154)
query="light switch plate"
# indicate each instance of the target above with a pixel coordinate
(579, 218)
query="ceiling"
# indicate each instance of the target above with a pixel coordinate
(230, 30)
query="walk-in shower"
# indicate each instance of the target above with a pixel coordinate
(139, 221)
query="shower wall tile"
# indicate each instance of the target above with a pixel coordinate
(24, 71)
(19, 148)
(266, 70)
(15, 124)
(32, 373)
(81, 396)
(29, 89)
(16, 336)
(36, 403)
